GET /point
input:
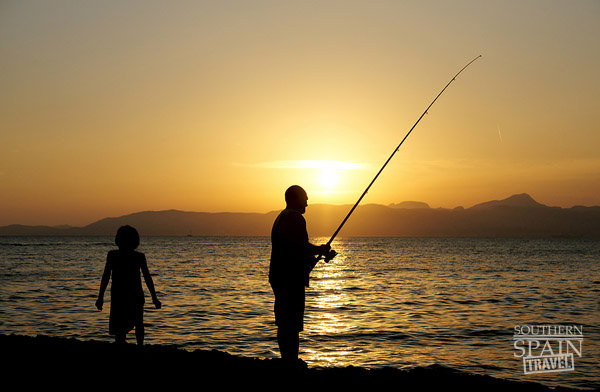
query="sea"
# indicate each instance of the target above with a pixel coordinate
(460, 303)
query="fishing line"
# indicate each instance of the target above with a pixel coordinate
(332, 254)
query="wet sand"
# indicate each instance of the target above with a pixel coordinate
(44, 361)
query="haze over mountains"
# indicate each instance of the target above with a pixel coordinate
(516, 216)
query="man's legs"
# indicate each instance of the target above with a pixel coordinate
(289, 312)
(289, 343)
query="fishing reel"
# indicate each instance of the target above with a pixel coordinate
(329, 256)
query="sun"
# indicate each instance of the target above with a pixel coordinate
(328, 179)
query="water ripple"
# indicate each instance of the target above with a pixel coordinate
(383, 302)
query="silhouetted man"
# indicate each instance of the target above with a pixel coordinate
(292, 259)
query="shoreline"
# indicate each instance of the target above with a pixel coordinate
(45, 360)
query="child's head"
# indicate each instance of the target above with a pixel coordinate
(127, 238)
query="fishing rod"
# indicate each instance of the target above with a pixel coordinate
(332, 254)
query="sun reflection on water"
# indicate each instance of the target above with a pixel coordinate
(326, 305)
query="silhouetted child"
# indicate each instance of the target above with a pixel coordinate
(127, 295)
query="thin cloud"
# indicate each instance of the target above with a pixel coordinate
(307, 164)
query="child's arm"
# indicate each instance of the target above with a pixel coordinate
(103, 284)
(150, 284)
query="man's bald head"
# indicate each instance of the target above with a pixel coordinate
(295, 198)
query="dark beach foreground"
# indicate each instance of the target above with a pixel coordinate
(44, 361)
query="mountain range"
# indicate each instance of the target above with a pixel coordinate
(516, 216)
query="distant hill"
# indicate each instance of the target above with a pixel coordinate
(411, 205)
(161, 223)
(516, 216)
(521, 200)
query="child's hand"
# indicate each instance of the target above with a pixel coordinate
(100, 303)
(156, 303)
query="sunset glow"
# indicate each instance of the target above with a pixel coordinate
(329, 179)
(112, 108)
(330, 176)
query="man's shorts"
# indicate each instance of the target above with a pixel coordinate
(289, 307)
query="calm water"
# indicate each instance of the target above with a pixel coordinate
(382, 302)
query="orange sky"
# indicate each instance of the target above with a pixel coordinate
(111, 107)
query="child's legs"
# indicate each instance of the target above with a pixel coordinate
(139, 334)
(139, 326)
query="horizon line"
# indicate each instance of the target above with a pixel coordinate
(390, 205)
